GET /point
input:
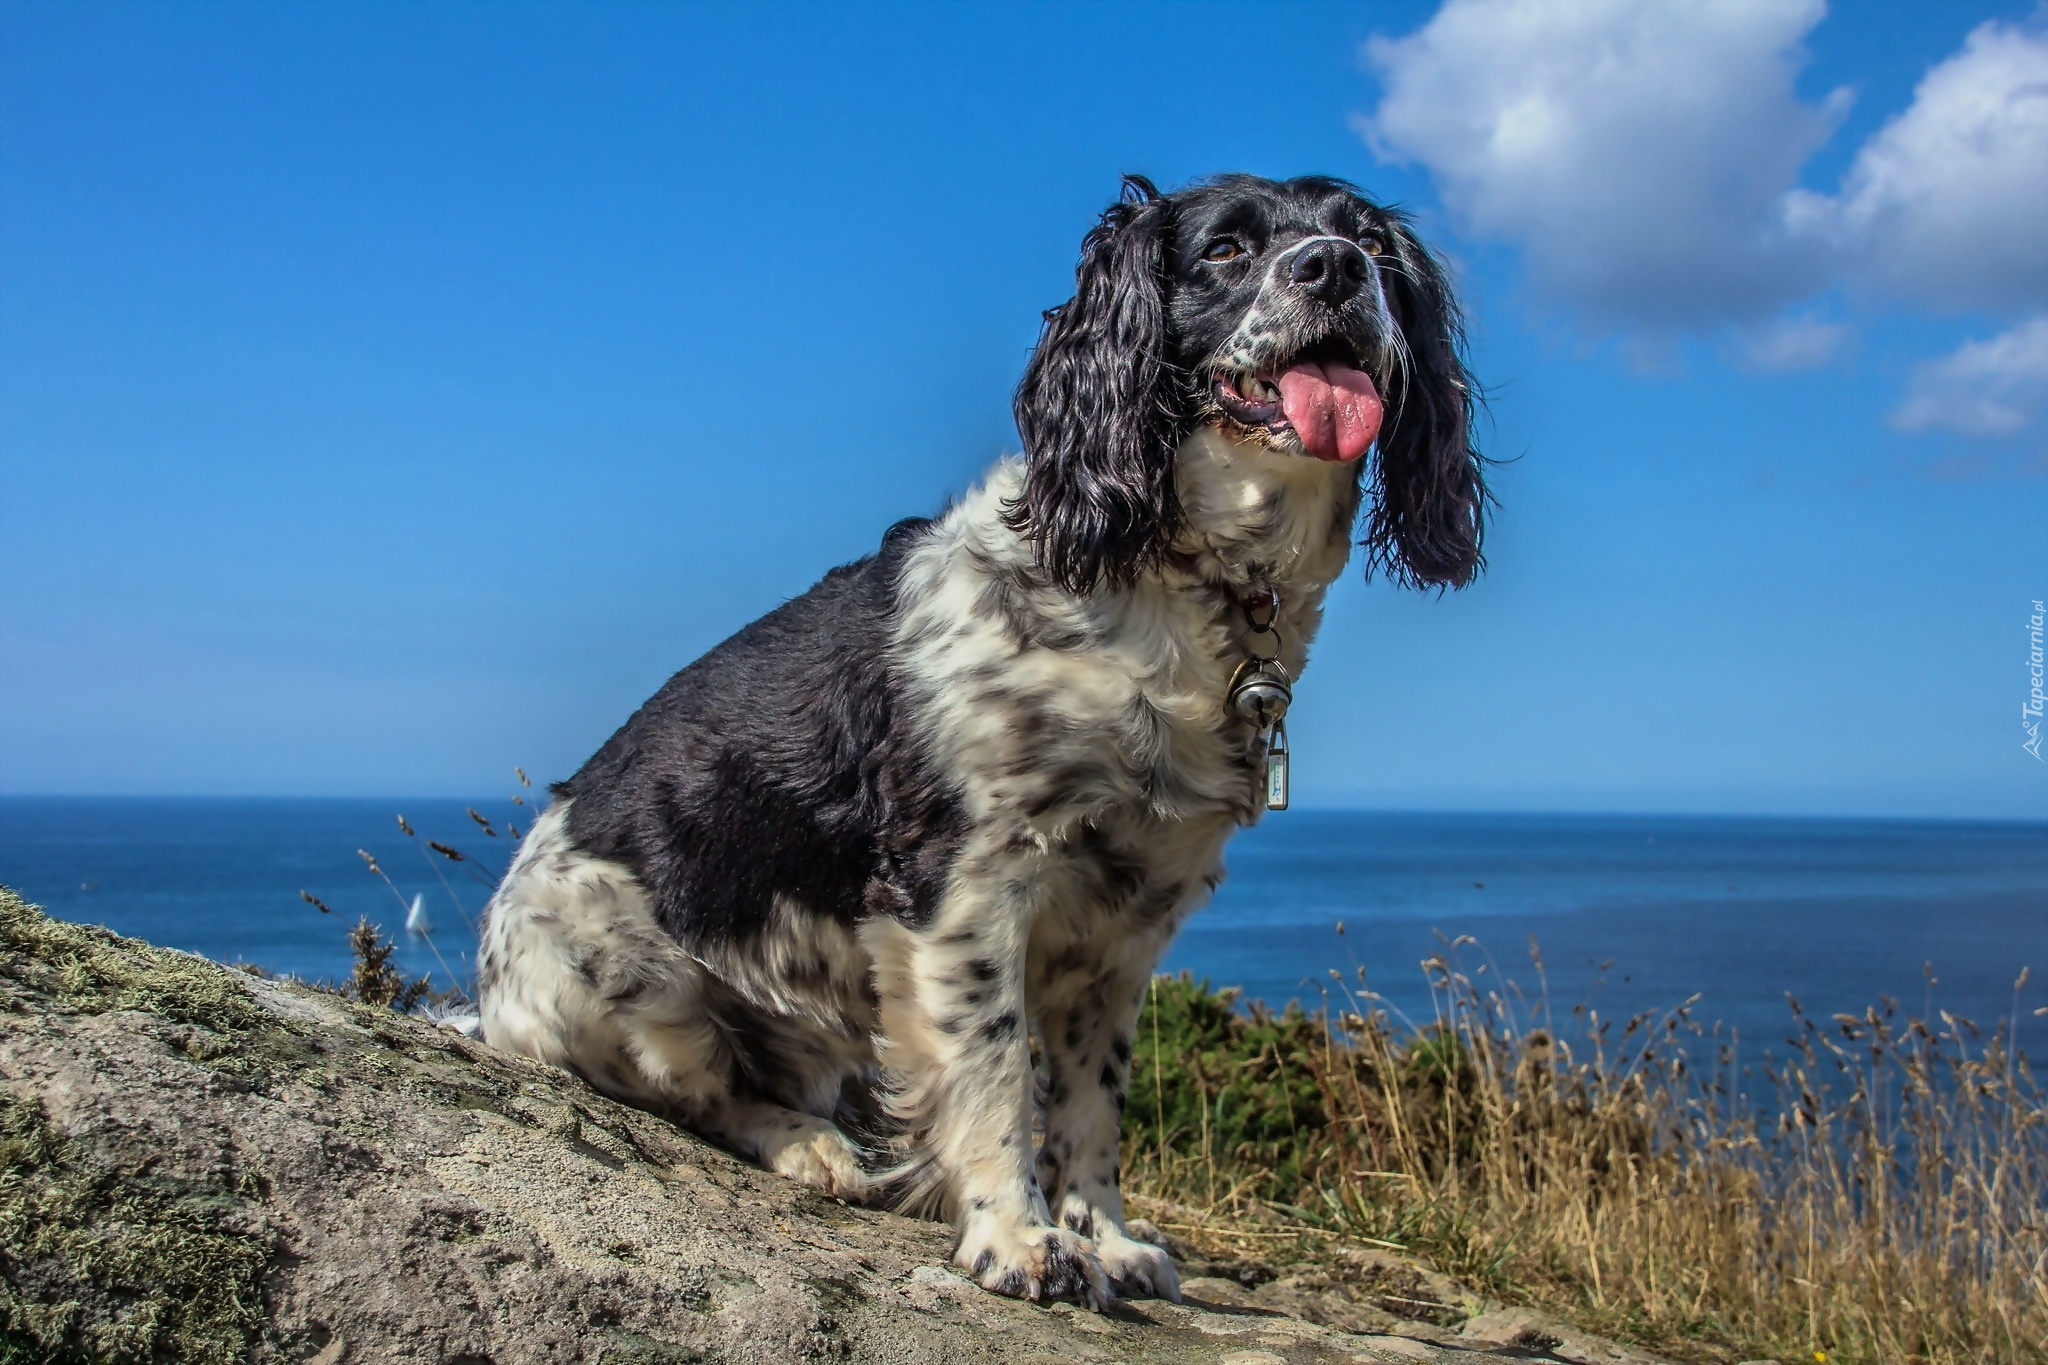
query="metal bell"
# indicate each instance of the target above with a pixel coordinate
(1261, 698)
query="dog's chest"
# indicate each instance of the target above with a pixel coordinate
(1058, 708)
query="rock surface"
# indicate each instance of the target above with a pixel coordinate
(204, 1166)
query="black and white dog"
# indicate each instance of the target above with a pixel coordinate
(818, 895)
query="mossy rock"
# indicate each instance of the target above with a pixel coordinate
(101, 1265)
(93, 971)
(200, 1165)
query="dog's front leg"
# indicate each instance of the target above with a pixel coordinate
(956, 1041)
(1089, 1016)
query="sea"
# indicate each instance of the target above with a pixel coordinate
(1561, 916)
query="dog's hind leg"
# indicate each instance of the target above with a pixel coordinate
(659, 1049)
(803, 1147)
(575, 972)
(660, 1056)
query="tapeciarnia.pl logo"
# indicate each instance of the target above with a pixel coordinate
(2030, 714)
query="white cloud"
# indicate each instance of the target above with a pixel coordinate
(1795, 343)
(1991, 388)
(1638, 150)
(1948, 203)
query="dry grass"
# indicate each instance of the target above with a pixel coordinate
(377, 978)
(1878, 1192)
(375, 981)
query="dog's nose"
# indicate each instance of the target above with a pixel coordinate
(1329, 270)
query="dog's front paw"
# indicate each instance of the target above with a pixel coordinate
(813, 1152)
(1037, 1263)
(1137, 1270)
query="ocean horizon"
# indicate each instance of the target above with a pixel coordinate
(1630, 914)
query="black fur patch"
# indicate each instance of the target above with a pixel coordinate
(778, 764)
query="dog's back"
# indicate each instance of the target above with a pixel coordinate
(774, 766)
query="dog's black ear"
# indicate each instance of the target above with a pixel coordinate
(1429, 518)
(1096, 409)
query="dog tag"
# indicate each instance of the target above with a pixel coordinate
(1276, 768)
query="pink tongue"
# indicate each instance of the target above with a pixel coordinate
(1334, 410)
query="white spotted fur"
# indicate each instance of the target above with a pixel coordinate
(1134, 758)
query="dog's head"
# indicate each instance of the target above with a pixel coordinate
(1294, 315)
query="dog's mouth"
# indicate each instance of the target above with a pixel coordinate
(1320, 397)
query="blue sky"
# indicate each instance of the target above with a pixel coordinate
(390, 395)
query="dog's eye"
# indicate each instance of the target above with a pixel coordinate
(1373, 245)
(1223, 249)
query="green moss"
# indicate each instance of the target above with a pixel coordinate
(95, 972)
(100, 1266)
(104, 1265)
(91, 971)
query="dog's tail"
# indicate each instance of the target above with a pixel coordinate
(910, 1182)
(462, 1019)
